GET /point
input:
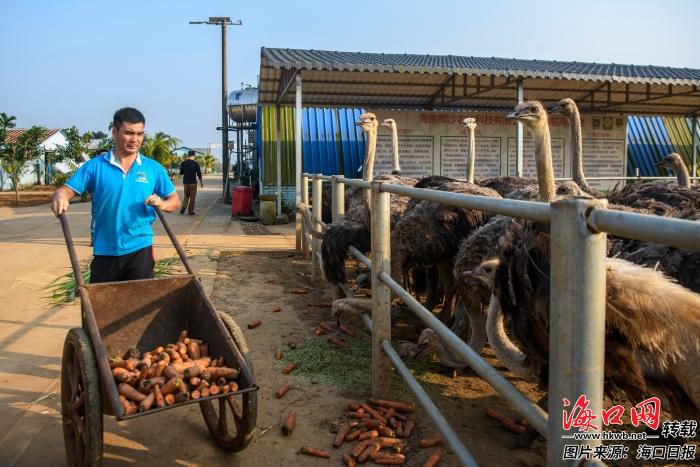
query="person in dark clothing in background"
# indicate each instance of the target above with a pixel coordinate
(189, 169)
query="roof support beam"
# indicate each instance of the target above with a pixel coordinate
(286, 81)
(441, 92)
(651, 99)
(478, 92)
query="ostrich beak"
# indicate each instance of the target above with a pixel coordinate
(555, 109)
(512, 115)
(662, 164)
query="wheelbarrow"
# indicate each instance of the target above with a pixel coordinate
(117, 316)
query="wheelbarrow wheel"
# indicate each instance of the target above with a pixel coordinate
(81, 405)
(243, 408)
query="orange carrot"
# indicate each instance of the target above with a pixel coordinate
(147, 402)
(353, 434)
(204, 392)
(171, 386)
(131, 364)
(254, 324)
(195, 394)
(160, 368)
(386, 432)
(130, 393)
(354, 406)
(289, 424)
(225, 388)
(194, 382)
(319, 332)
(160, 401)
(192, 371)
(408, 428)
(183, 336)
(346, 330)
(117, 362)
(399, 430)
(358, 415)
(164, 357)
(506, 422)
(431, 442)
(387, 442)
(358, 449)
(278, 354)
(121, 375)
(125, 404)
(314, 452)
(339, 343)
(389, 459)
(368, 434)
(342, 433)
(433, 459)
(349, 461)
(375, 415)
(157, 350)
(289, 368)
(182, 397)
(299, 290)
(398, 406)
(233, 386)
(371, 424)
(214, 389)
(276, 309)
(169, 399)
(326, 327)
(371, 448)
(146, 385)
(282, 391)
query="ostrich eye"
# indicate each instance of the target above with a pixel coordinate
(533, 110)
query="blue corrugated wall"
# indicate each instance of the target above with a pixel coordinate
(649, 139)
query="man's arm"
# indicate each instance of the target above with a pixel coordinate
(168, 204)
(182, 168)
(199, 174)
(61, 200)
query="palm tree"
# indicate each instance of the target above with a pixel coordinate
(160, 147)
(6, 121)
(208, 162)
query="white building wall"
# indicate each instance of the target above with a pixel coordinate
(34, 171)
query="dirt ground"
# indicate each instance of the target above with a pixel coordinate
(248, 286)
(26, 198)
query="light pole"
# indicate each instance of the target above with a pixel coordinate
(223, 21)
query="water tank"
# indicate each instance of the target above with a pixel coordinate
(243, 105)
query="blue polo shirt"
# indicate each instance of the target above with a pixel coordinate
(122, 220)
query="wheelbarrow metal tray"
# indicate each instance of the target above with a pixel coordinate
(152, 312)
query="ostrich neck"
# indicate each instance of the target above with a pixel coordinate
(396, 168)
(370, 152)
(511, 356)
(543, 162)
(471, 156)
(577, 150)
(682, 175)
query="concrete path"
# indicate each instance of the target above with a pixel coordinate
(32, 331)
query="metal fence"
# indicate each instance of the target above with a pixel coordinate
(577, 295)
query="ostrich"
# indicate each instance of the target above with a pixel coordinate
(470, 123)
(391, 124)
(652, 324)
(674, 163)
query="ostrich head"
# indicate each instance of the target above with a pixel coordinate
(484, 273)
(389, 123)
(672, 162)
(531, 113)
(368, 122)
(565, 106)
(428, 340)
(469, 122)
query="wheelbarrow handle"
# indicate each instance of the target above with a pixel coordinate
(71, 249)
(74, 257)
(173, 238)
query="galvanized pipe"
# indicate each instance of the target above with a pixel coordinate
(528, 409)
(664, 230)
(381, 295)
(305, 200)
(338, 191)
(360, 257)
(519, 135)
(576, 319)
(507, 207)
(297, 159)
(316, 192)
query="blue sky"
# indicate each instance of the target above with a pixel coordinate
(74, 62)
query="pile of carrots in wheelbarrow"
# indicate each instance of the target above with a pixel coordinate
(170, 374)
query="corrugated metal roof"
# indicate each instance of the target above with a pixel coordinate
(440, 64)
(447, 82)
(14, 133)
(649, 139)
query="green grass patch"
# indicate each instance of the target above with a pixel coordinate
(64, 289)
(349, 369)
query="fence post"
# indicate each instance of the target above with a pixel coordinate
(576, 320)
(381, 294)
(317, 210)
(305, 200)
(338, 199)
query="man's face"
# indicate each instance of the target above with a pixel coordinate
(128, 137)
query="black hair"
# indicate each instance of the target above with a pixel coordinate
(129, 115)
(190, 152)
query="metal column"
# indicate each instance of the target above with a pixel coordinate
(694, 158)
(338, 192)
(279, 162)
(304, 233)
(519, 136)
(225, 154)
(297, 159)
(381, 294)
(577, 320)
(316, 192)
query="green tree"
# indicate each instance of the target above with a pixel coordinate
(6, 122)
(96, 134)
(160, 147)
(208, 162)
(15, 155)
(72, 152)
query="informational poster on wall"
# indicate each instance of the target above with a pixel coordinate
(438, 143)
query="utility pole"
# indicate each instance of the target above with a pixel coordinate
(223, 21)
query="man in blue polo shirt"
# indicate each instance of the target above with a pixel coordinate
(123, 185)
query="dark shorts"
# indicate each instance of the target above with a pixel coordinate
(136, 265)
